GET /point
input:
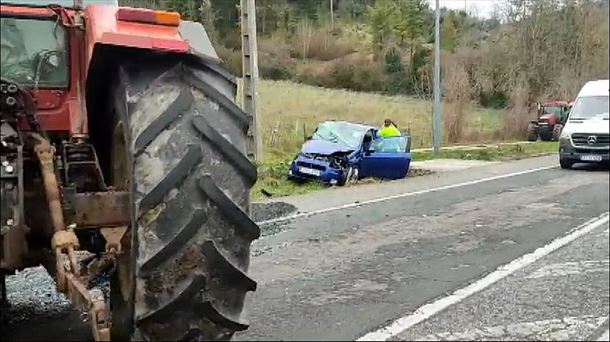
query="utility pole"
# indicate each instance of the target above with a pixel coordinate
(332, 15)
(249, 51)
(437, 136)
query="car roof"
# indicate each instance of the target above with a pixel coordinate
(357, 125)
(595, 88)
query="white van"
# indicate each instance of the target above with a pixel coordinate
(586, 136)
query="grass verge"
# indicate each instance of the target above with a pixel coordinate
(492, 153)
(272, 172)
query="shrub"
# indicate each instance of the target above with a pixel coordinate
(398, 77)
(319, 43)
(493, 99)
(231, 59)
(272, 69)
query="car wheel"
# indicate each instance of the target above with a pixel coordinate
(347, 176)
(565, 163)
(355, 175)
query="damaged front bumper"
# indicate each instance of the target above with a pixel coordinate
(303, 169)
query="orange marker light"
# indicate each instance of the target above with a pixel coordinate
(141, 15)
(167, 18)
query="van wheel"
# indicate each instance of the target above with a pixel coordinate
(565, 163)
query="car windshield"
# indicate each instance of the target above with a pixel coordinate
(342, 133)
(31, 49)
(590, 107)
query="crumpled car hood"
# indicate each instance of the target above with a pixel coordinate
(323, 147)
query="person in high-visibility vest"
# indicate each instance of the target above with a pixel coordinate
(389, 129)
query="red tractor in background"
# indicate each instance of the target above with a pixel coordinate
(552, 116)
(123, 168)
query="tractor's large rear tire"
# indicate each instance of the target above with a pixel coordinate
(532, 132)
(557, 131)
(190, 183)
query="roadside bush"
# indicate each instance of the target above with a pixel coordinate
(399, 80)
(314, 74)
(516, 119)
(319, 43)
(457, 92)
(231, 59)
(353, 72)
(272, 70)
(493, 99)
(356, 72)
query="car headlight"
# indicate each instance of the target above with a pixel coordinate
(564, 135)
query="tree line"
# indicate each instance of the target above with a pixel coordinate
(527, 50)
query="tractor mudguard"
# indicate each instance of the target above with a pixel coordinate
(105, 28)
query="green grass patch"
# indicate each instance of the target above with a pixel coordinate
(492, 153)
(290, 111)
(272, 178)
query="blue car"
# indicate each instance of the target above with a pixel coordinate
(340, 152)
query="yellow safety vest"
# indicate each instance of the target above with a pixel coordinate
(390, 131)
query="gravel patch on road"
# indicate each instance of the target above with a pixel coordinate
(271, 210)
(33, 297)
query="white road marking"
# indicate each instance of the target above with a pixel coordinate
(605, 336)
(571, 267)
(565, 329)
(426, 311)
(406, 194)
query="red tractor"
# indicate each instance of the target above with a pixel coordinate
(552, 116)
(123, 168)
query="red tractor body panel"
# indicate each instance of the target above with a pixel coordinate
(550, 118)
(104, 28)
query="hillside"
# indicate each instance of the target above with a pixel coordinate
(526, 52)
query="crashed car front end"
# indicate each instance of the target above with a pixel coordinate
(329, 169)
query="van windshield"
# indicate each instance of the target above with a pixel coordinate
(590, 107)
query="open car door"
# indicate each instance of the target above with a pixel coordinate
(387, 158)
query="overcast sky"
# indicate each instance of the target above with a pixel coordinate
(483, 8)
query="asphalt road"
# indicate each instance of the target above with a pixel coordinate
(340, 274)
(343, 273)
(563, 296)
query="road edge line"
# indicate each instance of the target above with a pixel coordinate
(405, 194)
(428, 310)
